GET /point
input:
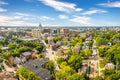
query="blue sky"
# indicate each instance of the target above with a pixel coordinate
(60, 12)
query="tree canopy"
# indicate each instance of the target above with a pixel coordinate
(26, 74)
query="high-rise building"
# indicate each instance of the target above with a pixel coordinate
(64, 31)
(37, 32)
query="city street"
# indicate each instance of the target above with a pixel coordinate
(51, 55)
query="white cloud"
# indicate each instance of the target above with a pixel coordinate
(78, 9)
(63, 17)
(93, 11)
(21, 14)
(3, 3)
(21, 19)
(81, 19)
(11, 21)
(44, 18)
(61, 6)
(111, 4)
(3, 10)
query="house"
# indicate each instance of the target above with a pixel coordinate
(1, 37)
(52, 46)
(7, 76)
(28, 39)
(109, 66)
(84, 68)
(109, 44)
(89, 39)
(76, 49)
(11, 60)
(102, 46)
(27, 55)
(58, 43)
(85, 46)
(50, 40)
(17, 60)
(5, 49)
(37, 66)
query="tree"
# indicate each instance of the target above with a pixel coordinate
(103, 51)
(26, 74)
(6, 55)
(60, 60)
(39, 48)
(98, 41)
(75, 61)
(98, 78)
(111, 74)
(12, 46)
(87, 53)
(40, 55)
(75, 77)
(57, 38)
(68, 51)
(0, 49)
(90, 43)
(50, 66)
(66, 72)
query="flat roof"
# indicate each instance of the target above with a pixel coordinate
(28, 39)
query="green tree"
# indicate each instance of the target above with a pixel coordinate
(57, 38)
(0, 49)
(75, 77)
(87, 53)
(12, 46)
(98, 78)
(26, 74)
(75, 61)
(6, 55)
(39, 48)
(90, 43)
(98, 41)
(50, 66)
(66, 72)
(60, 60)
(103, 51)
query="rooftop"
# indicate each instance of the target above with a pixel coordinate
(36, 66)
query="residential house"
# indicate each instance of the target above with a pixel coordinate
(76, 49)
(5, 49)
(27, 55)
(109, 66)
(84, 68)
(7, 76)
(37, 66)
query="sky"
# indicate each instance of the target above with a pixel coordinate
(60, 12)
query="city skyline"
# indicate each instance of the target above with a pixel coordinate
(60, 12)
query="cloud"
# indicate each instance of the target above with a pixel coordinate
(11, 21)
(78, 9)
(44, 18)
(111, 4)
(81, 19)
(21, 19)
(3, 3)
(21, 14)
(93, 11)
(63, 17)
(3, 10)
(61, 6)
